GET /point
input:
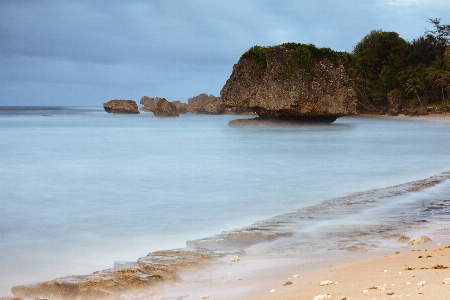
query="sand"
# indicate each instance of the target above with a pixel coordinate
(392, 275)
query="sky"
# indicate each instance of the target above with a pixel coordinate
(85, 53)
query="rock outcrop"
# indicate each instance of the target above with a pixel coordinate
(291, 82)
(213, 107)
(104, 284)
(109, 284)
(181, 107)
(149, 104)
(197, 102)
(201, 104)
(165, 108)
(121, 107)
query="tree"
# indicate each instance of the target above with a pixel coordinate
(439, 75)
(375, 62)
(414, 85)
(441, 32)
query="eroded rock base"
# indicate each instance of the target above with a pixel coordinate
(285, 121)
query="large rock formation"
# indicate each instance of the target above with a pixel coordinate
(121, 107)
(291, 82)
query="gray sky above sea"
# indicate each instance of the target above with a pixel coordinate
(84, 53)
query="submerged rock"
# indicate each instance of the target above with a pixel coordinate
(121, 107)
(124, 277)
(291, 81)
(98, 285)
(165, 263)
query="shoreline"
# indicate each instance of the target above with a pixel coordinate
(267, 266)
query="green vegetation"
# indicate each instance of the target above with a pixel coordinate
(297, 56)
(387, 72)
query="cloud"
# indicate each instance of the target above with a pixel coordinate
(173, 49)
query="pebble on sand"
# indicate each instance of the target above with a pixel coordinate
(326, 282)
(322, 297)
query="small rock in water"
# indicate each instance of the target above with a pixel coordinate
(322, 297)
(235, 258)
(326, 282)
(403, 239)
(352, 248)
(417, 241)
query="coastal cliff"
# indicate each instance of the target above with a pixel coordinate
(291, 82)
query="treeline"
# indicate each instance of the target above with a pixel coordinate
(390, 74)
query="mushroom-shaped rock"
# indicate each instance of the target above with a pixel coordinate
(294, 82)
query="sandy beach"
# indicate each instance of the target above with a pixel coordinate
(415, 273)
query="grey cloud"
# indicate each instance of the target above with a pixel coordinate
(173, 49)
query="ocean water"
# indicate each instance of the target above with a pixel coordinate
(80, 188)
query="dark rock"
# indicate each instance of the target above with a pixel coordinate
(181, 107)
(415, 111)
(149, 104)
(121, 107)
(199, 101)
(279, 92)
(392, 112)
(213, 107)
(165, 108)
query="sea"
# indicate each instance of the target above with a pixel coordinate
(81, 188)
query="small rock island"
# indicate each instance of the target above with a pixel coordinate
(291, 82)
(121, 107)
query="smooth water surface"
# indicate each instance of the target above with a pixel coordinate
(81, 188)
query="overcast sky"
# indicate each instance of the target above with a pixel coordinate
(81, 53)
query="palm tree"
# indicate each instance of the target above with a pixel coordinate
(415, 85)
(440, 76)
